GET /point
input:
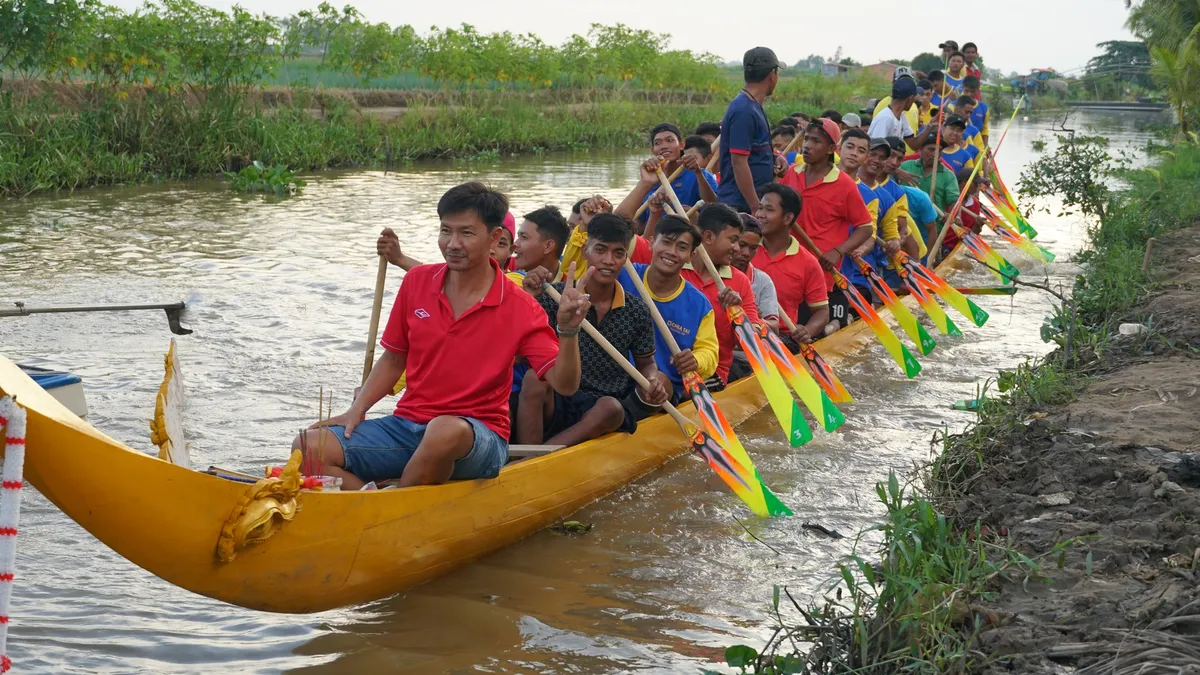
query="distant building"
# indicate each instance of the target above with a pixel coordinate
(836, 69)
(883, 68)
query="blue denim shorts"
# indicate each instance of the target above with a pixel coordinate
(381, 447)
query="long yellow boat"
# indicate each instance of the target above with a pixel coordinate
(330, 549)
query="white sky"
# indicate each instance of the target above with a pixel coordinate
(1012, 35)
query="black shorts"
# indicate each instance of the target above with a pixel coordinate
(568, 410)
(840, 309)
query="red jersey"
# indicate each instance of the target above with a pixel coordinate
(970, 215)
(797, 275)
(464, 366)
(832, 209)
(739, 282)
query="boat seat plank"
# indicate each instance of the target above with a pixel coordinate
(525, 451)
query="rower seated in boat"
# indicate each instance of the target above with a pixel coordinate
(456, 326)
(686, 312)
(598, 407)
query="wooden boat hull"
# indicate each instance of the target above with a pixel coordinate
(341, 548)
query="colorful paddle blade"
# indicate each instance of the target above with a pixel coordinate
(724, 452)
(824, 375)
(987, 290)
(932, 309)
(887, 338)
(791, 420)
(951, 295)
(815, 399)
(1008, 209)
(903, 316)
(1004, 229)
(981, 250)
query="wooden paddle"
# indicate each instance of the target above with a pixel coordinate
(782, 403)
(646, 204)
(824, 374)
(867, 313)
(735, 468)
(935, 250)
(715, 160)
(376, 309)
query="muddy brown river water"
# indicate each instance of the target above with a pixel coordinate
(279, 297)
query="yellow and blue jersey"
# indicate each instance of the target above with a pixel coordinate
(687, 189)
(690, 317)
(960, 158)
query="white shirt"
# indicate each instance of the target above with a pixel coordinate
(887, 124)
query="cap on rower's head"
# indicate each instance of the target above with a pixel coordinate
(956, 121)
(828, 127)
(510, 224)
(902, 71)
(869, 107)
(758, 60)
(895, 143)
(932, 139)
(852, 120)
(880, 142)
(949, 44)
(903, 88)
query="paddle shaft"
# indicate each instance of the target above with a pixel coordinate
(22, 310)
(708, 263)
(715, 160)
(623, 362)
(376, 309)
(937, 143)
(672, 344)
(646, 204)
(935, 250)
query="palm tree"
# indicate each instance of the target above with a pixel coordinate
(1178, 73)
(1163, 23)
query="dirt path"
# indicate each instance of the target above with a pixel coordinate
(1118, 470)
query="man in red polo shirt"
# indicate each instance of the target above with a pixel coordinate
(456, 327)
(834, 216)
(798, 278)
(720, 232)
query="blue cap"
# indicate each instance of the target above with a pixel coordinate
(903, 88)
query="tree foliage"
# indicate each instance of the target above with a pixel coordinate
(926, 62)
(1171, 28)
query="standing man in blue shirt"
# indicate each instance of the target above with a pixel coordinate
(747, 161)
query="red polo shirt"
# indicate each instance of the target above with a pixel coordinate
(797, 275)
(832, 209)
(464, 366)
(739, 282)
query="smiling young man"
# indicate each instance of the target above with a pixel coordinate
(686, 311)
(598, 407)
(670, 152)
(959, 154)
(795, 272)
(834, 215)
(541, 238)
(456, 327)
(720, 235)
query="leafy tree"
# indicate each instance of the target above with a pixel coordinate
(898, 62)
(36, 36)
(1126, 61)
(810, 63)
(1163, 23)
(1178, 73)
(927, 62)
(847, 61)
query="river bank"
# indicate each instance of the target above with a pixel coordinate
(63, 137)
(1102, 490)
(1059, 528)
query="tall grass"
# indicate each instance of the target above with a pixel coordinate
(45, 145)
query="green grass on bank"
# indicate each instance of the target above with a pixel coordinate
(909, 608)
(113, 139)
